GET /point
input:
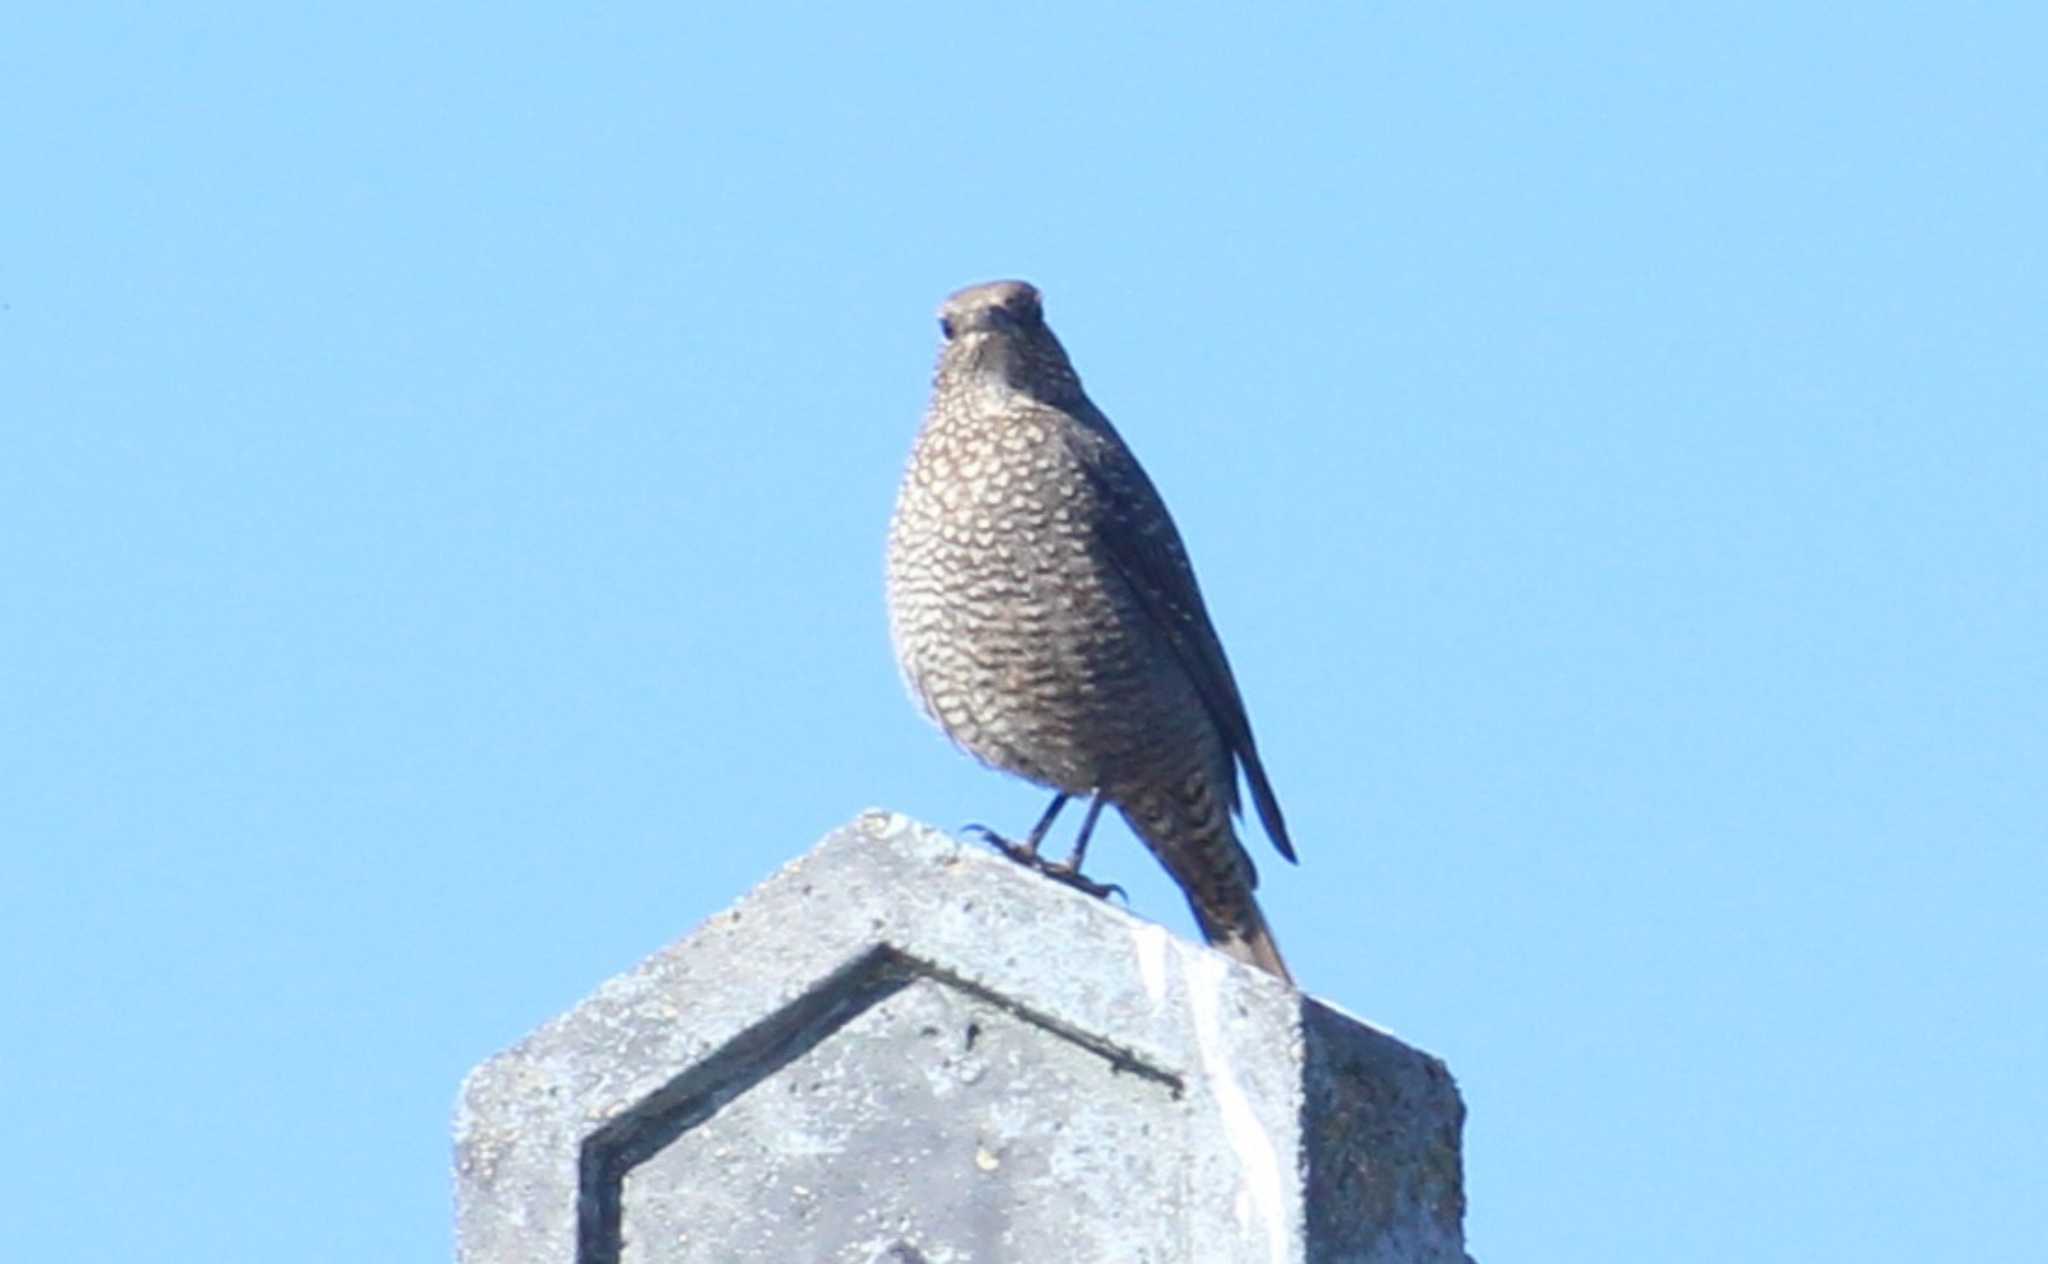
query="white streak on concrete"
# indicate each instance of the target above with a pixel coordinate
(1260, 1197)
(1150, 943)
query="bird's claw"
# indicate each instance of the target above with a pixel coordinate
(1067, 875)
(1018, 852)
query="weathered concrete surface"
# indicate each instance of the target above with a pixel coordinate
(902, 1049)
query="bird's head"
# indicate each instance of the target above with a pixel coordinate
(996, 332)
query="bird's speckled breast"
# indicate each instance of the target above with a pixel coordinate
(1013, 632)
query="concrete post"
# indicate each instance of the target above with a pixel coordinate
(900, 1049)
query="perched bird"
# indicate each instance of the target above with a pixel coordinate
(1047, 619)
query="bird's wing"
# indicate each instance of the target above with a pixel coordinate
(1140, 540)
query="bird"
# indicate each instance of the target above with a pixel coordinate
(1045, 616)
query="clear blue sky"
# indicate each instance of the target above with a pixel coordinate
(444, 457)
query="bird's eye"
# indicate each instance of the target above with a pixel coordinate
(946, 328)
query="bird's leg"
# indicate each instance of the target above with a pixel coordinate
(1073, 863)
(1026, 852)
(1038, 831)
(1069, 870)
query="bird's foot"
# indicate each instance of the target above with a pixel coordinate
(1027, 855)
(1023, 853)
(1067, 875)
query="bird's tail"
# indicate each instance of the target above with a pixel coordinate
(1192, 837)
(1245, 938)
